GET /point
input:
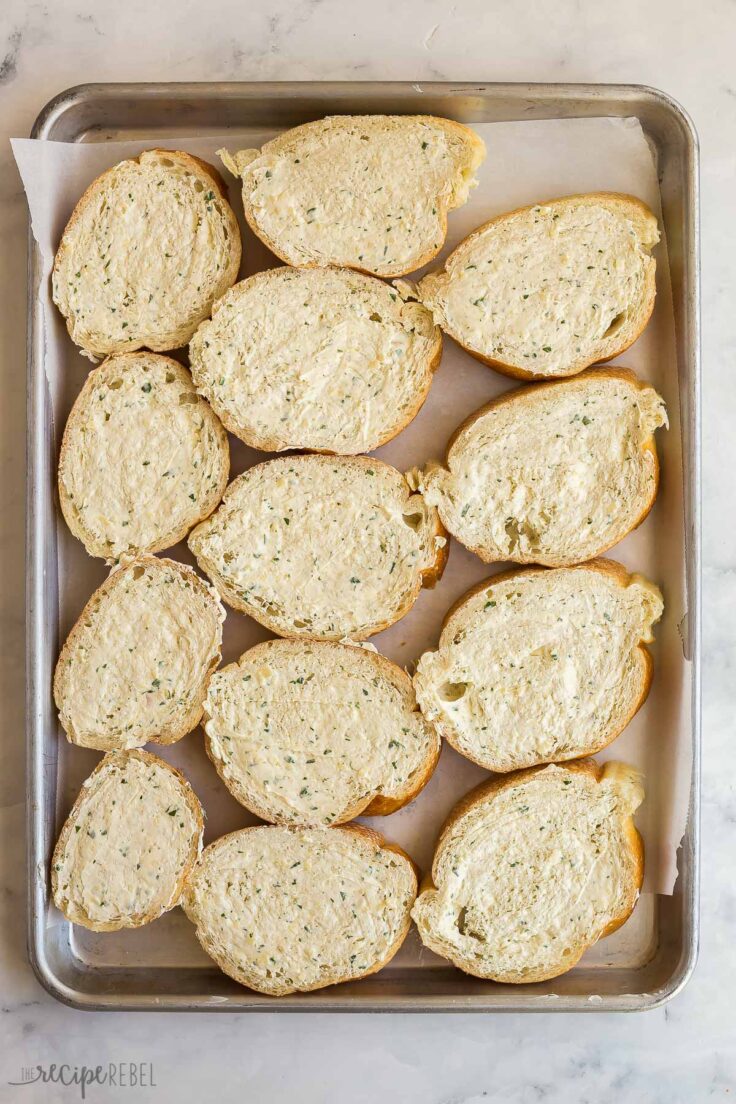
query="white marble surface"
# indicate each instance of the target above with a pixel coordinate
(683, 1053)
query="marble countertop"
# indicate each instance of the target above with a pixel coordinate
(685, 1052)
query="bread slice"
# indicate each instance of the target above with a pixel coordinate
(322, 359)
(135, 667)
(530, 870)
(540, 665)
(129, 843)
(554, 473)
(143, 458)
(321, 547)
(370, 192)
(286, 910)
(318, 733)
(545, 291)
(150, 246)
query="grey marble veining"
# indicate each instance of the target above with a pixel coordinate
(683, 1054)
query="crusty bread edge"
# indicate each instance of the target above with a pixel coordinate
(486, 789)
(212, 497)
(427, 577)
(642, 314)
(375, 803)
(519, 394)
(623, 578)
(476, 151)
(169, 734)
(357, 829)
(195, 849)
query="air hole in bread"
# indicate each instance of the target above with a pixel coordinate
(167, 162)
(115, 384)
(616, 324)
(198, 186)
(138, 572)
(453, 691)
(414, 521)
(375, 317)
(188, 398)
(170, 377)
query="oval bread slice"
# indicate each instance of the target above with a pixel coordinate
(317, 733)
(545, 291)
(323, 359)
(554, 473)
(150, 246)
(143, 457)
(541, 665)
(286, 910)
(370, 192)
(135, 667)
(532, 869)
(321, 547)
(128, 844)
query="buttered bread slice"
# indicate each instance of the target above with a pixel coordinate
(531, 870)
(143, 457)
(370, 192)
(150, 246)
(554, 473)
(135, 667)
(130, 841)
(321, 547)
(545, 291)
(317, 733)
(286, 910)
(541, 665)
(322, 359)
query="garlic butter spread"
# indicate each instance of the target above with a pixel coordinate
(540, 666)
(128, 843)
(307, 732)
(315, 359)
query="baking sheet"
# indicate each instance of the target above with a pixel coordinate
(526, 162)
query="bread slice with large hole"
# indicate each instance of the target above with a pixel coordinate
(545, 291)
(326, 359)
(532, 869)
(553, 473)
(321, 547)
(143, 457)
(369, 192)
(318, 733)
(540, 665)
(286, 910)
(128, 845)
(135, 667)
(149, 247)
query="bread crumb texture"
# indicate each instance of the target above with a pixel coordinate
(135, 667)
(532, 871)
(150, 245)
(143, 457)
(284, 909)
(547, 290)
(309, 733)
(322, 359)
(321, 547)
(541, 665)
(554, 473)
(134, 833)
(370, 192)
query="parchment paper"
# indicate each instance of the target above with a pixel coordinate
(527, 162)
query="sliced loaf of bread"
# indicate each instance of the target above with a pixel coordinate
(545, 291)
(321, 547)
(370, 192)
(318, 733)
(149, 247)
(541, 665)
(135, 667)
(286, 910)
(554, 473)
(143, 457)
(322, 359)
(128, 845)
(532, 869)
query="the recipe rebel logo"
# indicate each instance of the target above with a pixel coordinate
(121, 1075)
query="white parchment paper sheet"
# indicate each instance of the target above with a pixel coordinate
(527, 162)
